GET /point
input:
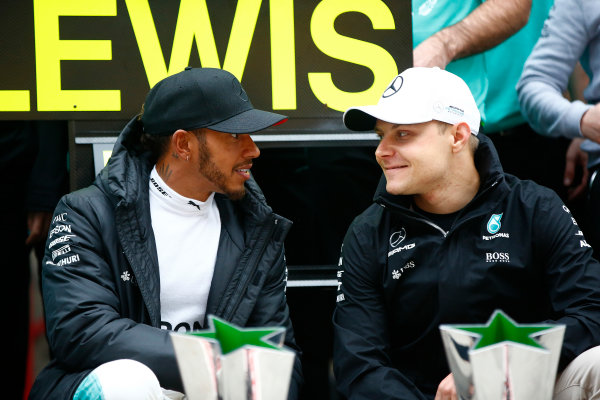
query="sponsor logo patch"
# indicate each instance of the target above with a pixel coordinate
(60, 251)
(397, 237)
(191, 203)
(394, 87)
(497, 257)
(160, 189)
(399, 249)
(61, 239)
(340, 297)
(455, 110)
(497, 235)
(494, 224)
(397, 273)
(60, 218)
(68, 260)
(59, 229)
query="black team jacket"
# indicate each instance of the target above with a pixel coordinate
(514, 247)
(102, 295)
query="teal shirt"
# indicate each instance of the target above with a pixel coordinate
(492, 75)
(431, 16)
(505, 64)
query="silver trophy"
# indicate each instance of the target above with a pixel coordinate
(503, 360)
(231, 363)
(198, 361)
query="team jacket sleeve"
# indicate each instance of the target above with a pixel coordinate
(361, 363)
(271, 309)
(572, 277)
(546, 73)
(84, 310)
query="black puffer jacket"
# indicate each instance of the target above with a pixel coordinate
(514, 247)
(101, 278)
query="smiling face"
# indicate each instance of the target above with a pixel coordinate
(416, 159)
(224, 161)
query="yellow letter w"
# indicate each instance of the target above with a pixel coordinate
(193, 23)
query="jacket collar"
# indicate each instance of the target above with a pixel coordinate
(120, 178)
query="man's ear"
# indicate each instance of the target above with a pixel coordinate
(181, 144)
(462, 134)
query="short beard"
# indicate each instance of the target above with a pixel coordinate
(213, 174)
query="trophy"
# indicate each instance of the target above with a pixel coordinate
(503, 360)
(231, 363)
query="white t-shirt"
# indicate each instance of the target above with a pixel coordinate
(187, 237)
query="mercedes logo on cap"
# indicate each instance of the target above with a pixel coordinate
(394, 87)
(397, 237)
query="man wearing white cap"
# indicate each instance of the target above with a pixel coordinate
(449, 239)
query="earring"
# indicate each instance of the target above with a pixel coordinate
(187, 158)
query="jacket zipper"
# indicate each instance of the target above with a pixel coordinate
(437, 227)
(253, 263)
(462, 221)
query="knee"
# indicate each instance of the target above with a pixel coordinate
(587, 363)
(120, 379)
(583, 373)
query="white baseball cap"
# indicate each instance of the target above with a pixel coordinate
(419, 95)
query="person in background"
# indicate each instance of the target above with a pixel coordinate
(513, 137)
(545, 78)
(455, 35)
(490, 56)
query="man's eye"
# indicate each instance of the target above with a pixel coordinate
(402, 133)
(235, 135)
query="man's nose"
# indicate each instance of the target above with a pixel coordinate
(383, 149)
(251, 150)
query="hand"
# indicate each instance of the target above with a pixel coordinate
(590, 123)
(432, 52)
(38, 223)
(446, 389)
(575, 158)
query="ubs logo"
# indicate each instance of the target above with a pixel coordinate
(397, 237)
(394, 87)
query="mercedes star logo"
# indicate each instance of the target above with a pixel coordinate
(394, 87)
(397, 237)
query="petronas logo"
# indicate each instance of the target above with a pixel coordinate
(494, 225)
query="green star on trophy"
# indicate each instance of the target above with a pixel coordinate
(227, 362)
(502, 359)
